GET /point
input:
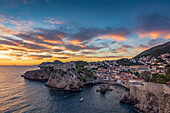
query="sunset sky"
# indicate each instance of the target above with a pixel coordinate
(35, 31)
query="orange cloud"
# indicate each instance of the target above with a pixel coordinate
(17, 26)
(53, 21)
(49, 41)
(77, 42)
(167, 37)
(116, 37)
(4, 31)
(60, 36)
(154, 34)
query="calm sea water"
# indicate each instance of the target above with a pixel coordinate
(19, 95)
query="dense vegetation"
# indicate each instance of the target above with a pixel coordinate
(160, 78)
(157, 78)
(146, 75)
(81, 63)
(80, 66)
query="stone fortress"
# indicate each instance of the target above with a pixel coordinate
(160, 91)
(62, 66)
(65, 66)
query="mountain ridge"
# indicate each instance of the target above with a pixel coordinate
(156, 50)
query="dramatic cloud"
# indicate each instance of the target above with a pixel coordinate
(73, 47)
(157, 41)
(51, 37)
(107, 33)
(79, 43)
(153, 26)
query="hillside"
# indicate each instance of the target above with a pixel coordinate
(155, 51)
(55, 62)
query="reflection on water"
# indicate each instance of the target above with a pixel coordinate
(20, 95)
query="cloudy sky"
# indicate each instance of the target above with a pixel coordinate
(34, 31)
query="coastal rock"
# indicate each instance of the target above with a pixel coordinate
(128, 98)
(109, 88)
(68, 80)
(63, 76)
(165, 106)
(104, 88)
(148, 105)
(41, 75)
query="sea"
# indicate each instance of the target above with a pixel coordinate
(19, 95)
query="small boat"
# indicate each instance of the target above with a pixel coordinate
(81, 100)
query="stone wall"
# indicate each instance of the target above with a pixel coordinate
(159, 90)
(65, 66)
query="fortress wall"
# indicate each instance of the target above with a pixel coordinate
(157, 89)
(137, 92)
(64, 67)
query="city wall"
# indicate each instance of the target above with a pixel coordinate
(65, 66)
(159, 90)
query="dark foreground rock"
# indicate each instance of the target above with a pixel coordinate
(165, 106)
(128, 98)
(41, 75)
(104, 88)
(68, 80)
(149, 104)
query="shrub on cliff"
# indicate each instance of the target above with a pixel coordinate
(168, 71)
(88, 72)
(81, 63)
(80, 66)
(146, 75)
(160, 78)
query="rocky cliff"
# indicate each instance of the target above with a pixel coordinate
(70, 79)
(149, 104)
(149, 97)
(40, 74)
(65, 80)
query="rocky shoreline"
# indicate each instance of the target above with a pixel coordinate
(148, 100)
(68, 80)
(149, 105)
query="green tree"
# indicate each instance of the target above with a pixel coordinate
(168, 71)
(160, 78)
(146, 75)
(81, 63)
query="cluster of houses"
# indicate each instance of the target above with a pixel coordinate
(113, 72)
(157, 64)
(110, 70)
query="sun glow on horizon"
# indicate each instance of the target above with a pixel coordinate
(79, 32)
